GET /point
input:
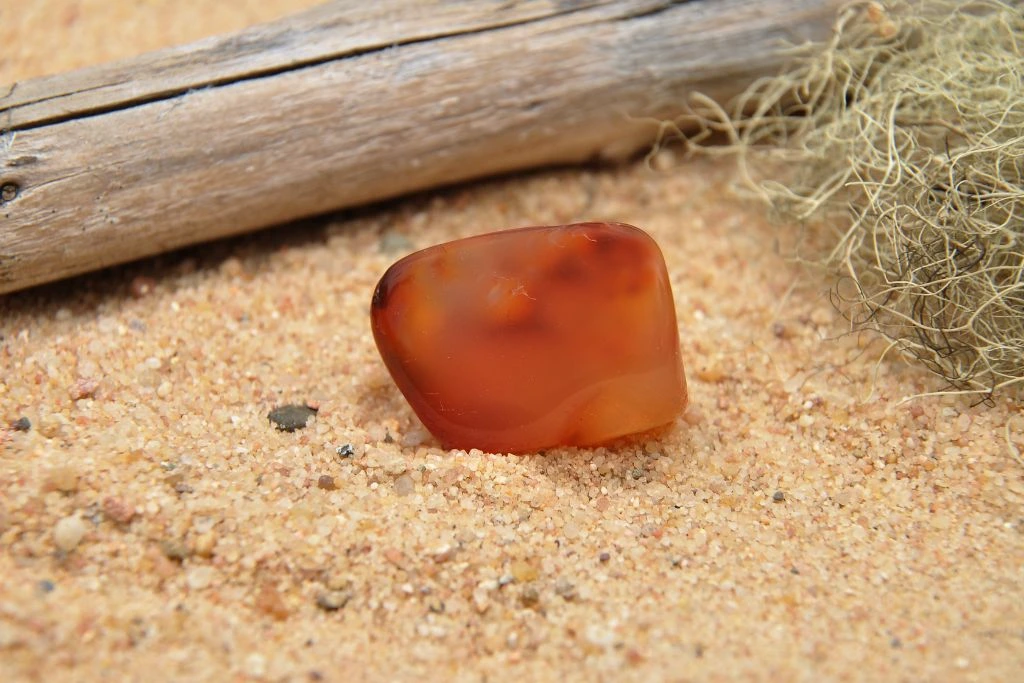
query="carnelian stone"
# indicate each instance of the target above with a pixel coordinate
(537, 337)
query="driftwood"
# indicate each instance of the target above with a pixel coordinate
(349, 103)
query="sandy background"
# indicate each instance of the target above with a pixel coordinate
(799, 522)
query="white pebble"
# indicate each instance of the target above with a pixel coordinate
(443, 553)
(599, 635)
(200, 577)
(255, 665)
(481, 601)
(68, 532)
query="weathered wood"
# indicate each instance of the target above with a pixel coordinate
(329, 32)
(350, 103)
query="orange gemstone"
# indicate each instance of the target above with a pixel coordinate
(526, 339)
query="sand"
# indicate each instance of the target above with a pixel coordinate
(801, 521)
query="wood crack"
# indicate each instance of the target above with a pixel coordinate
(655, 11)
(240, 45)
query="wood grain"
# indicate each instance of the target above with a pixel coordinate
(350, 103)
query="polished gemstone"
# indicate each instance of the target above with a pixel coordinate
(526, 339)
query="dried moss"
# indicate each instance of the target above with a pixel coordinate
(904, 136)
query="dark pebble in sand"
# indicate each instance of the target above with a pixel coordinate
(175, 550)
(332, 600)
(291, 417)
